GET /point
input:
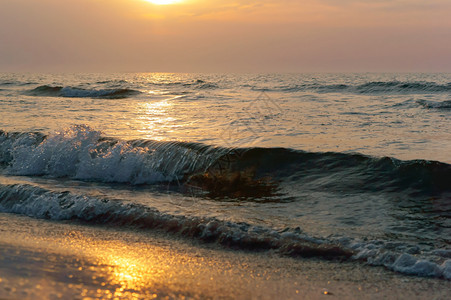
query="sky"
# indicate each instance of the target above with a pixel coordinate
(225, 36)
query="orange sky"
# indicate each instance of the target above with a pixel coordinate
(225, 36)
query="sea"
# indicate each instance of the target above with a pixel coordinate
(344, 167)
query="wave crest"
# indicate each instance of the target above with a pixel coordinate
(72, 92)
(445, 105)
(373, 87)
(81, 152)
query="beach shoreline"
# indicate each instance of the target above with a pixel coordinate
(53, 260)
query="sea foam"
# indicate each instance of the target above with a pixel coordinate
(38, 202)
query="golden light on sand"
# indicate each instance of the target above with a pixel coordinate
(163, 2)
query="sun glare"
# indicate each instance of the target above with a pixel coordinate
(163, 2)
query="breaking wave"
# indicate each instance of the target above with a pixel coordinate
(72, 92)
(82, 153)
(38, 202)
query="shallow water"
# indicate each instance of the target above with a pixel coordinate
(42, 259)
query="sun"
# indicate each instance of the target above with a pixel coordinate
(163, 2)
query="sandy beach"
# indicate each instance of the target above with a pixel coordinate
(54, 260)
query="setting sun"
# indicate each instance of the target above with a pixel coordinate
(163, 2)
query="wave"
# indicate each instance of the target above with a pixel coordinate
(372, 173)
(373, 87)
(82, 153)
(200, 84)
(114, 82)
(6, 82)
(42, 203)
(71, 92)
(443, 105)
(196, 84)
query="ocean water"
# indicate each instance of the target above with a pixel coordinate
(353, 167)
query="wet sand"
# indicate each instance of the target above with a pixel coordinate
(55, 260)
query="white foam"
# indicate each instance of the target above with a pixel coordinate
(409, 264)
(40, 203)
(78, 152)
(426, 264)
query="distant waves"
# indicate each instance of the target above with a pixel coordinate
(72, 92)
(372, 87)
